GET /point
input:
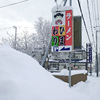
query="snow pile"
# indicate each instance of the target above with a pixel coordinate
(65, 72)
(73, 72)
(90, 88)
(22, 78)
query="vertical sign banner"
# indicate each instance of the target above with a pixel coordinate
(89, 52)
(62, 31)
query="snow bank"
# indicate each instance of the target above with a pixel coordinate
(65, 72)
(22, 78)
(73, 72)
(90, 88)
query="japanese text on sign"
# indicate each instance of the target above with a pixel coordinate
(62, 36)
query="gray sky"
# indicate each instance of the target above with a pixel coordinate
(24, 14)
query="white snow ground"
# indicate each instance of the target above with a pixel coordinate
(22, 78)
(90, 88)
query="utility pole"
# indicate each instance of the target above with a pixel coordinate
(15, 35)
(47, 50)
(96, 54)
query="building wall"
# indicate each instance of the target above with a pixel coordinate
(64, 63)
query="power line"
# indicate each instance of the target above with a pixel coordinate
(93, 10)
(90, 22)
(98, 12)
(13, 4)
(94, 13)
(83, 20)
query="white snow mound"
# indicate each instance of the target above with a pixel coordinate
(64, 72)
(22, 78)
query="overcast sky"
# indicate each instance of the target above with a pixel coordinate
(24, 14)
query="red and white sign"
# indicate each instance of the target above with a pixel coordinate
(69, 35)
(62, 31)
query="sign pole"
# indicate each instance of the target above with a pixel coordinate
(65, 2)
(70, 2)
(69, 69)
(62, 32)
(70, 60)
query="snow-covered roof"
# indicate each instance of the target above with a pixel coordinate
(51, 60)
(84, 60)
(61, 8)
(65, 72)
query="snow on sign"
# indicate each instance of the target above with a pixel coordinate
(62, 32)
